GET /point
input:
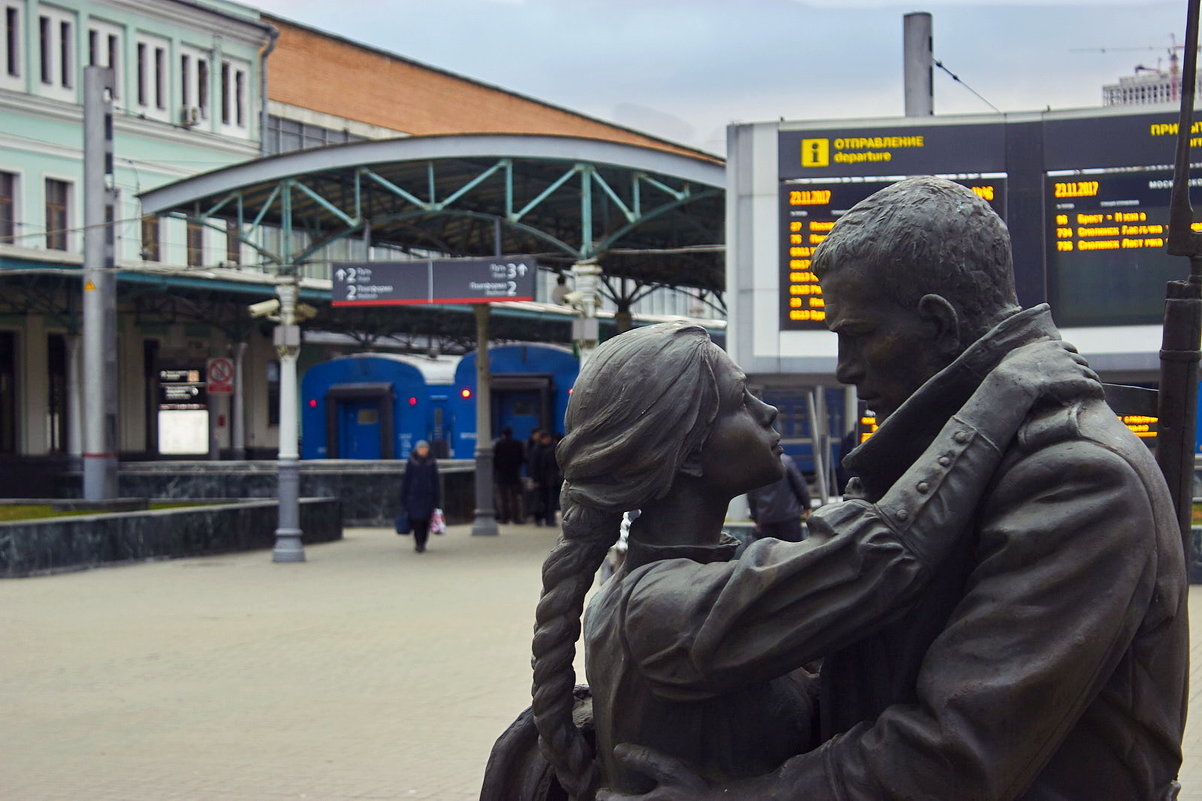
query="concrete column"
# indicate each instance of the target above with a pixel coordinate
(99, 291)
(74, 397)
(585, 331)
(238, 414)
(485, 523)
(918, 63)
(288, 547)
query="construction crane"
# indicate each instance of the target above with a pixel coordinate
(1173, 49)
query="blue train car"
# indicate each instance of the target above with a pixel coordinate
(373, 406)
(530, 388)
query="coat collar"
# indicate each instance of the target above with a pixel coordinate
(902, 438)
(641, 553)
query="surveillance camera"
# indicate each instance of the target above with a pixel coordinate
(305, 312)
(572, 298)
(264, 308)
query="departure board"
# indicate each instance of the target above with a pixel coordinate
(1106, 233)
(809, 210)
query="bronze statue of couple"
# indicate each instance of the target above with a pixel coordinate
(996, 610)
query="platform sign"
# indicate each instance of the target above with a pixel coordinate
(433, 281)
(892, 150)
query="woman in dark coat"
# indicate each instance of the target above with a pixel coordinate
(421, 492)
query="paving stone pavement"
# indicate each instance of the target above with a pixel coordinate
(368, 672)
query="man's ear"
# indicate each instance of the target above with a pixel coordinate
(939, 313)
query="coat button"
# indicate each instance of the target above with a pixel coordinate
(945, 460)
(923, 486)
(902, 514)
(961, 437)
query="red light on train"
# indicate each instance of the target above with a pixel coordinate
(312, 403)
(412, 401)
(465, 392)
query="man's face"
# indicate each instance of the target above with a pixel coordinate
(885, 350)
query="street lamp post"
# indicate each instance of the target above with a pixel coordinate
(288, 547)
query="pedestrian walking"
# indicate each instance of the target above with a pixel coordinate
(421, 492)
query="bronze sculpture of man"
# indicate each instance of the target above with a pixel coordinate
(1046, 660)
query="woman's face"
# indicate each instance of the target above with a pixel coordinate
(421, 452)
(742, 451)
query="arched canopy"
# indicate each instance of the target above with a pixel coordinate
(646, 215)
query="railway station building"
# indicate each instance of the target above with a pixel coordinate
(242, 143)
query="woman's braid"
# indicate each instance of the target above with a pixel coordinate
(567, 576)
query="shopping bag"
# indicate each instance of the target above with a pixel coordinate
(438, 522)
(402, 523)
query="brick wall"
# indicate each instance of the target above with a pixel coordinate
(324, 73)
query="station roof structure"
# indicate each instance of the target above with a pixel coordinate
(653, 218)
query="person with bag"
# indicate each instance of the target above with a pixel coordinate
(421, 492)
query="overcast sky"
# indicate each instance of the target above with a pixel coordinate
(683, 69)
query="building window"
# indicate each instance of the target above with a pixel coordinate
(160, 78)
(152, 77)
(233, 96)
(104, 50)
(56, 39)
(202, 86)
(58, 194)
(240, 97)
(285, 136)
(12, 42)
(150, 238)
(194, 86)
(225, 93)
(185, 80)
(196, 243)
(64, 51)
(233, 245)
(47, 50)
(141, 74)
(8, 207)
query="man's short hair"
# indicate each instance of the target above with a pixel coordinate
(928, 235)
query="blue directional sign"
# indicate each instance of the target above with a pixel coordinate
(433, 281)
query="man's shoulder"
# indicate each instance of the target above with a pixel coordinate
(1085, 434)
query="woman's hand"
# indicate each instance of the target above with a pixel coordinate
(675, 780)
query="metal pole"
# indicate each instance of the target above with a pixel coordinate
(485, 523)
(99, 295)
(1179, 352)
(288, 547)
(816, 448)
(917, 62)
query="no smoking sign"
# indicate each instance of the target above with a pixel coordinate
(219, 373)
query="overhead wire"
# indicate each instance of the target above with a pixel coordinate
(956, 78)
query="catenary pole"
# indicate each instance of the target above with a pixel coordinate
(99, 290)
(1179, 352)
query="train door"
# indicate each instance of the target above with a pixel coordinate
(440, 427)
(360, 421)
(520, 410)
(359, 430)
(522, 403)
